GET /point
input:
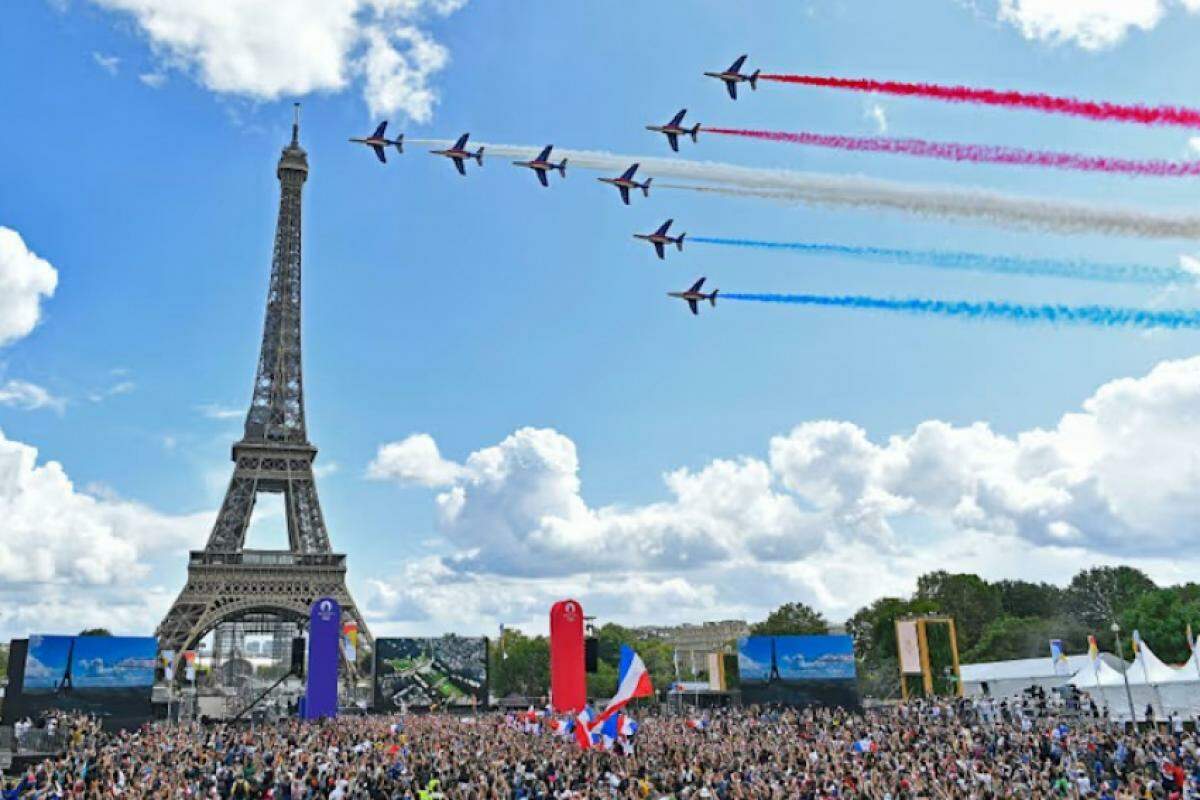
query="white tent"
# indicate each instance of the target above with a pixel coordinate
(1010, 678)
(1152, 683)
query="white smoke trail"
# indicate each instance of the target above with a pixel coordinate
(863, 192)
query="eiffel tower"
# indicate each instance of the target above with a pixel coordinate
(226, 582)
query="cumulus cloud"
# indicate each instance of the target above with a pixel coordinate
(52, 533)
(266, 49)
(828, 514)
(25, 279)
(1090, 24)
(414, 460)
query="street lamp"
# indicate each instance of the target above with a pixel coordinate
(1116, 630)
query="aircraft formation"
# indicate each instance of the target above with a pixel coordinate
(542, 166)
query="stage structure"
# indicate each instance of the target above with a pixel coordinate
(912, 652)
(226, 582)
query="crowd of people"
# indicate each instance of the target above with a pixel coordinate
(894, 752)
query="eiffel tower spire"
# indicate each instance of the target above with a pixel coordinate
(273, 455)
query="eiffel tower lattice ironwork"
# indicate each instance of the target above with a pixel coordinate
(225, 581)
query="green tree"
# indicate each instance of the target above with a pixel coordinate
(1026, 637)
(1098, 596)
(971, 600)
(1162, 616)
(791, 619)
(874, 630)
(520, 664)
(95, 632)
(1025, 599)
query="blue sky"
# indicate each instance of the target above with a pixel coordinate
(138, 160)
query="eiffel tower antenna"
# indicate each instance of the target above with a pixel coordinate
(226, 582)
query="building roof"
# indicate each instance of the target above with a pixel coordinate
(1027, 668)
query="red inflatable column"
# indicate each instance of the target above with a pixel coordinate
(568, 682)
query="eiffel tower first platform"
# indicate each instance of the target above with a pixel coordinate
(227, 583)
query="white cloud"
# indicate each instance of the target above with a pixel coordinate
(52, 533)
(155, 80)
(214, 411)
(414, 460)
(828, 516)
(107, 63)
(29, 396)
(117, 389)
(24, 280)
(1090, 24)
(266, 49)
(875, 112)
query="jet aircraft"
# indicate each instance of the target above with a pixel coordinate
(674, 130)
(459, 153)
(626, 182)
(542, 164)
(733, 76)
(660, 238)
(378, 140)
(694, 295)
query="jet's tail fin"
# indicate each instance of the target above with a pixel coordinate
(695, 130)
(479, 156)
(754, 79)
(712, 298)
(679, 241)
(399, 143)
(562, 168)
(646, 187)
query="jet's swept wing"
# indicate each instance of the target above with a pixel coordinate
(379, 132)
(696, 286)
(678, 118)
(658, 248)
(458, 163)
(627, 175)
(673, 140)
(541, 173)
(624, 193)
(545, 154)
(692, 305)
(379, 153)
(662, 229)
(461, 143)
(732, 87)
(736, 66)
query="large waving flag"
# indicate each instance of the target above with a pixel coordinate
(633, 681)
(583, 728)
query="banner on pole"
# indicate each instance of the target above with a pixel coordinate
(909, 646)
(324, 637)
(568, 679)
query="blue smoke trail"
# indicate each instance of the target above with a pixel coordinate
(976, 262)
(1100, 316)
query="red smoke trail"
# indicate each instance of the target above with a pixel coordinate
(985, 154)
(1114, 112)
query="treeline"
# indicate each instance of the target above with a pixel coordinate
(995, 621)
(1017, 619)
(520, 664)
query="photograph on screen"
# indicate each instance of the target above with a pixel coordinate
(110, 677)
(422, 672)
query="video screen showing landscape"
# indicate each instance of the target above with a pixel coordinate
(754, 659)
(807, 658)
(110, 677)
(422, 672)
(798, 670)
(46, 663)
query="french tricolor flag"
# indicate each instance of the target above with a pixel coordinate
(633, 680)
(583, 728)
